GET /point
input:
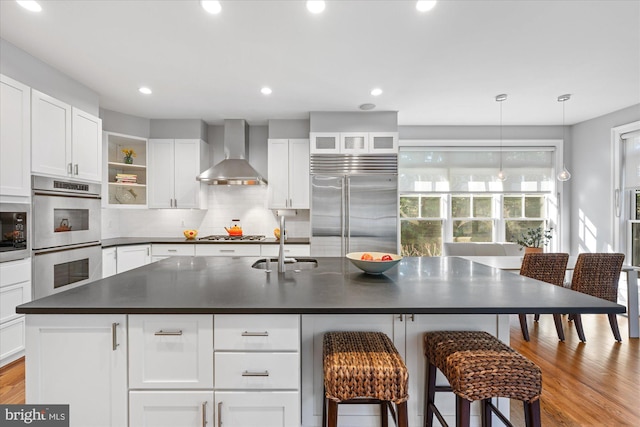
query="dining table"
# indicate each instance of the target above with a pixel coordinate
(513, 263)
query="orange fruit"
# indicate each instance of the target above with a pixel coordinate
(366, 257)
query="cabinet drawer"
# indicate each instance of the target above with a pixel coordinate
(264, 371)
(258, 332)
(171, 351)
(228, 250)
(12, 296)
(170, 408)
(289, 250)
(173, 250)
(258, 408)
(15, 272)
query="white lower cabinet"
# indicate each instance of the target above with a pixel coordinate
(109, 262)
(264, 409)
(231, 249)
(171, 409)
(133, 256)
(15, 289)
(289, 250)
(171, 351)
(79, 360)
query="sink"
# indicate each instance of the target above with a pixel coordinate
(290, 264)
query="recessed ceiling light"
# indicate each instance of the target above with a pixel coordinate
(145, 90)
(376, 91)
(314, 6)
(211, 6)
(30, 5)
(426, 5)
(266, 90)
(367, 107)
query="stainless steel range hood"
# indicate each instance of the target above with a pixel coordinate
(235, 168)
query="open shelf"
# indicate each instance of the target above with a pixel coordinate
(120, 194)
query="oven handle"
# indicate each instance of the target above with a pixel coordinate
(37, 252)
(58, 194)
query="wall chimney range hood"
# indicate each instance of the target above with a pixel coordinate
(234, 169)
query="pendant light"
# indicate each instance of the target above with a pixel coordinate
(564, 175)
(502, 176)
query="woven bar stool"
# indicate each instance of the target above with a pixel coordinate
(363, 367)
(479, 366)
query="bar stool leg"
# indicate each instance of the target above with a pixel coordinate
(333, 414)
(532, 414)
(463, 412)
(429, 393)
(485, 413)
(384, 414)
(403, 416)
(324, 407)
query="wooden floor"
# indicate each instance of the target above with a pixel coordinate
(591, 384)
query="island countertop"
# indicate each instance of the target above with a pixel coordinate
(447, 285)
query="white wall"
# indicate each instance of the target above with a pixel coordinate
(591, 181)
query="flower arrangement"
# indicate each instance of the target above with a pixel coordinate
(535, 238)
(129, 154)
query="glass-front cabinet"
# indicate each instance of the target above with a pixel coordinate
(126, 171)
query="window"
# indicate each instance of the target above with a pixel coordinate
(453, 194)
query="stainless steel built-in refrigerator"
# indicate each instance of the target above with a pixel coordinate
(354, 211)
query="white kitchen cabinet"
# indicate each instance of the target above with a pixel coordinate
(354, 142)
(313, 329)
(171, 352)
(109, 262)
(125, 184)
(174, 165)
(132, 256)
(168, 250)
(171, 408)
(15, 138)
(228, 249)
(288, 169)
(268, 409)
(289, 250)
(257, 370)
(15, 289)
(65, 141)
(79, 360)
(86, 145)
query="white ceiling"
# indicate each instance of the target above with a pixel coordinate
(443, 67)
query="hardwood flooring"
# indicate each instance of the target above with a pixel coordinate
(592, 384)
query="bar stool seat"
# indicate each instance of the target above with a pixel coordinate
(479, 367)
(363, 367)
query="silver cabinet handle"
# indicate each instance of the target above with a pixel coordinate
(219, 414)
(75, 169)
(255, 374)
(401, 317)
(227, 250)
(204, 413)
(255, 334)
(175, 203)
(114, 336)
(168, 333)
(172, 250)
(170, 203)
(70, 168)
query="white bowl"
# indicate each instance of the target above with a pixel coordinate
(373, 267)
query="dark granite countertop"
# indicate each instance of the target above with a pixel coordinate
(124, 241)
(229, 285)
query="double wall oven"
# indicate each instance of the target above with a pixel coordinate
(66, 235)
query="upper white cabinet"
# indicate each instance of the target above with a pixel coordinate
(174, 165)
(15, 138)
(288, 169)
(126, 179)
(65, 141)
(354, 142)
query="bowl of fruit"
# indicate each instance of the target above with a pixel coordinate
(374, 262)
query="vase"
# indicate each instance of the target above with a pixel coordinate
(128, 160)
(528, 250)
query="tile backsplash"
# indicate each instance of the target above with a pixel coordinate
(247, 203)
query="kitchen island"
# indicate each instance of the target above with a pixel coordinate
(177, 332)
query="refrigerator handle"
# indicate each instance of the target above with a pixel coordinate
(347, 214)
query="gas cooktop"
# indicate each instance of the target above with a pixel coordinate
(227, 237)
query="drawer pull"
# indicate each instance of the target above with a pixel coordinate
(227, 250)
(219, 414)
(114, 336)
(255, 374)
(168, 333)
(172, 250)
(255, 334)
(204, 413)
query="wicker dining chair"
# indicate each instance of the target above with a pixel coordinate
(597, 275)
(550, 268)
